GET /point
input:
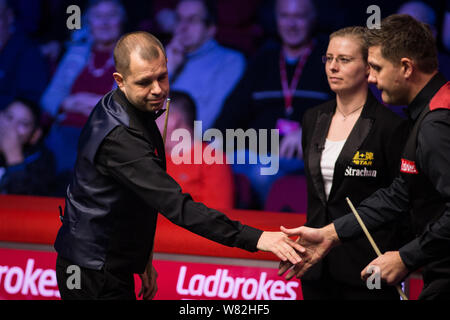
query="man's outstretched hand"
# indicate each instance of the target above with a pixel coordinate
(279, 244)
(316, 242)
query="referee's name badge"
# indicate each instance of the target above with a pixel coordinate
(408, 166)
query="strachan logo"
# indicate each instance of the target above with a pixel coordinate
(363, 158)
(351, 172)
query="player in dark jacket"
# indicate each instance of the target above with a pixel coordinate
(120, 184)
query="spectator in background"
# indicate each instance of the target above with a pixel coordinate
(25, 166)
(160, 20)
(23, 71)
(27, 15)
(281, 83)
(197, 64)
(82, 78)
(199, 180)
(51, 32)
(237, 25)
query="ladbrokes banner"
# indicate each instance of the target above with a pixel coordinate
(180, 280)
(26, 274)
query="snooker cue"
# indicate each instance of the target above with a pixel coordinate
(166, 120)
(164, 142)
(372, 242)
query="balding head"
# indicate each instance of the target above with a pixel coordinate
(142, 75)
(147, 46)
(295, 21)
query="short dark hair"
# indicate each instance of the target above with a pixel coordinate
(148, 45)
(402, 36)
(184, 103)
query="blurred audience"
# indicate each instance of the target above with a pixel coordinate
(26, 167)
(23, 71)
(201, 180)
(52, 32)
(237, 25)
(82, 78)
(160, 20)
(198, 64)
(28, 15)
(426, 14)
(446, 28)
(282, 81)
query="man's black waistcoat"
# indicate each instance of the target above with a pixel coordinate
(105, 224)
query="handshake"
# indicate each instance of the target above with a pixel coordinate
(299, 255)
(313, 244)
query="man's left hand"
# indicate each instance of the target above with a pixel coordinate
(392, 268)
(279, 244)
(149, 286)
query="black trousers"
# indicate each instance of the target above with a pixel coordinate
(329, 289)
(94, 284)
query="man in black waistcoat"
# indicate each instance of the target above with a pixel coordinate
(403, 62)
(120, 184)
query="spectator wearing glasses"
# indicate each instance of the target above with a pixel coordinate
(282, 81)
(198, 64)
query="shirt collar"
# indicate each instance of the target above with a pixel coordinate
(425, 95)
